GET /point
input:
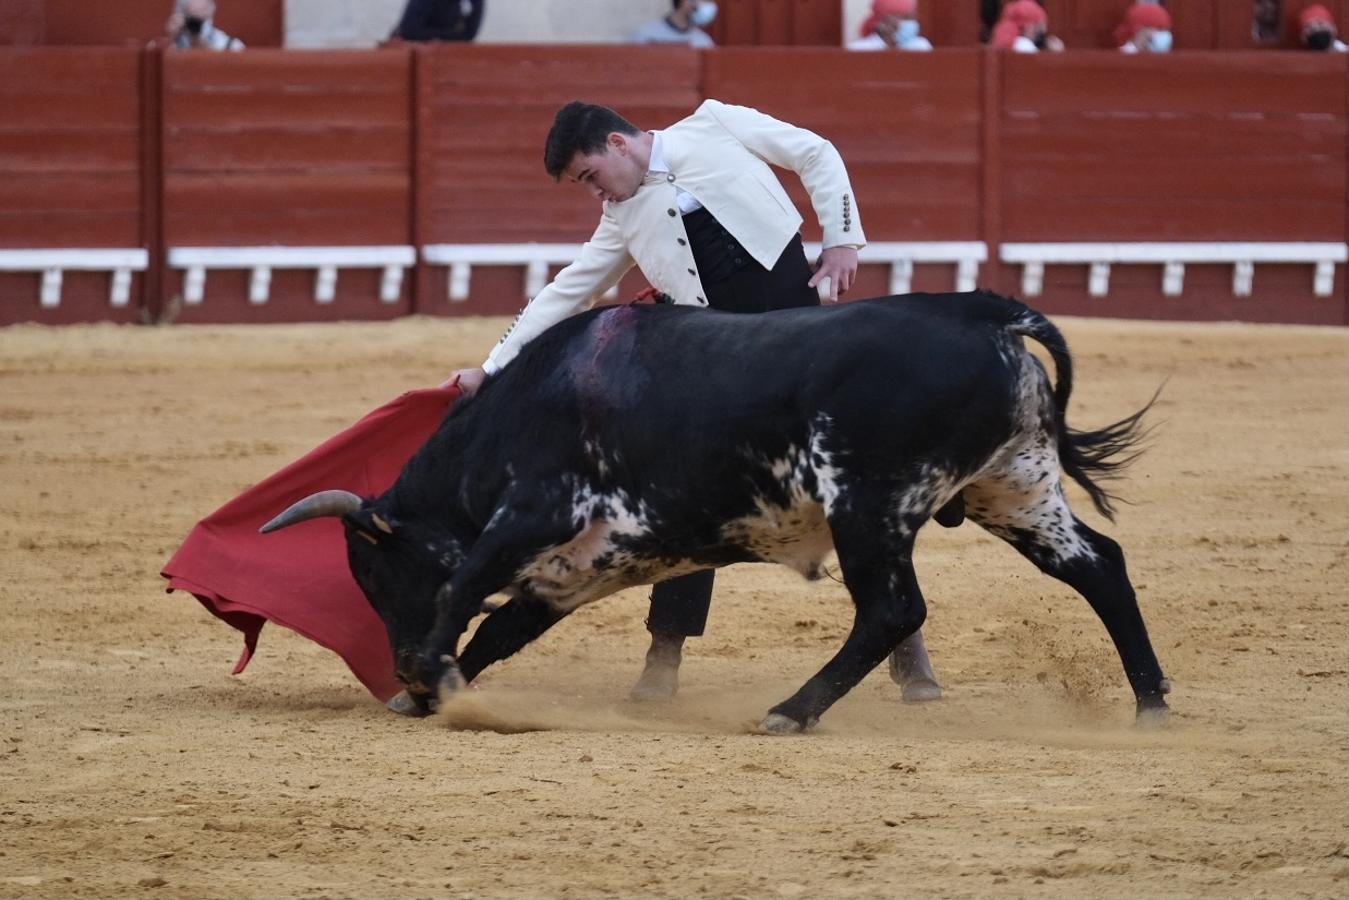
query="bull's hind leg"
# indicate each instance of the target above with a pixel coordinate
(1030, 513)
(887, 607)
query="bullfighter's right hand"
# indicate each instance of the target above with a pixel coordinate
(467, 380)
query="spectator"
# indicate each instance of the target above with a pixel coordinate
(439, 20)
(893, 24)
(684, 25)
(192, 26)
(1146, 29)
(1265, 20)
(1024, 28)
(1316, 30)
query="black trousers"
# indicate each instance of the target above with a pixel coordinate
(679, 606)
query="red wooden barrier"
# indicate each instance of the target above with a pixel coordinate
(907, 126)
(70, 163)
(483, 114)
(298, 149)
(1186, 147)
(21, 22)
(779, 23)
(270, 147)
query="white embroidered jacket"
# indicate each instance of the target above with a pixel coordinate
(720, 155)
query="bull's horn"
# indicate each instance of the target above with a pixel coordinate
(324, 503)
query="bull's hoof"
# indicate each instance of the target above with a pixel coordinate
(451, 679)
(405, 704)
(1152, 712)
(777, 723)
(1152, 717)
(920, 690)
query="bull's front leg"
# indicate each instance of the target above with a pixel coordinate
(515, 624)
(518, 535)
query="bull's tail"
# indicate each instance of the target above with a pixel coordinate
(1088, 457)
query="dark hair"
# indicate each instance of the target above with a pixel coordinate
(580, 128)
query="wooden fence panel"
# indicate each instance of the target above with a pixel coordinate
(778, 23)
(282, 148)
(907, 126)
(115, 148)
(483, 114)
(1197, 147)
(70, 170)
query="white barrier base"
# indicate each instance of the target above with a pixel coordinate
(261, 260)
(1173, 257)
(538, 258)
(53, 264)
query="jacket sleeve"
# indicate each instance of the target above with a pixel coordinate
(811, 157)
(602, 262)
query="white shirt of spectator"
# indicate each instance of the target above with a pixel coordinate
(662, 32)
(874, 41)
(212, 38)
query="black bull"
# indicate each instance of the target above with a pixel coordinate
(630, 444)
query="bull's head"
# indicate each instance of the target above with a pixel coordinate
(401, 568)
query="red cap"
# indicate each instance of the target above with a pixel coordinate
(1016, 16)
(881, 8)
(1140, 16)
(1023, 13)
(1314, 13)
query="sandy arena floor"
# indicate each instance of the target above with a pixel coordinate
(133, 764)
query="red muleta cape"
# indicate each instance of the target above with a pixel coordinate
(298, 577)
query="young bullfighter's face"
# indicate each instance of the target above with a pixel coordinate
(612, 175)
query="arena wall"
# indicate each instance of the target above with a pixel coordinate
(71, 166)
(276, 185)
(288, 149)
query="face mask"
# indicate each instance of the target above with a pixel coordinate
(1319, 40)
(908, 30)
(1161, 42)
(703, 14)
(194, 25)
